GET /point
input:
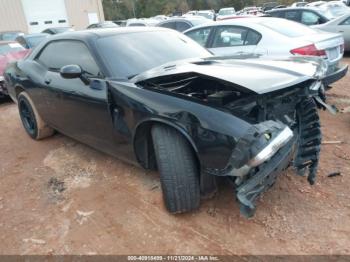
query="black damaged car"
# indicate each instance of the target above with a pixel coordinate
(154, 97)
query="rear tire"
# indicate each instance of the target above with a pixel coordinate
(179, 174)
(35, 127)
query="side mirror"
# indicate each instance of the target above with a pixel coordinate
(71, 71)
(74, 71)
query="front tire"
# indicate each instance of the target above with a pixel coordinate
(179, 174)
(35, 127)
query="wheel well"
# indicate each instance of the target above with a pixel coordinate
(143, 144)
(18, 90)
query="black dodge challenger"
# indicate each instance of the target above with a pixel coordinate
(154, 97)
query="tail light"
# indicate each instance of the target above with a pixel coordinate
(309, 50)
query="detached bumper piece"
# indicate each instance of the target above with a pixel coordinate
(310, 138)
(248, 191)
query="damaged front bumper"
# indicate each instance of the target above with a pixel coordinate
(248, 191)
(270, 146)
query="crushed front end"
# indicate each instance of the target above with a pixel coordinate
(278, 105)
(285, 132)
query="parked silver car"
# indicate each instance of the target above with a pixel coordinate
(268, 37)
(339, 25)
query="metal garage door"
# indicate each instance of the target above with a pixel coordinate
(41, 14)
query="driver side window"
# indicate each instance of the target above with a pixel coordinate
(60, 53)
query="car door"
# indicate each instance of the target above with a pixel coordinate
(201, 35)
(234, 40)
(77, 109)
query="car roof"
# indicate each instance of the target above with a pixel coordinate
(245, 21)
(293, 9)
(187, 18)
(103, 32)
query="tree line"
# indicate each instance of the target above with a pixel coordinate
(124, 9)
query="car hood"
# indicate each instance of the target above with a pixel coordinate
(258, 75)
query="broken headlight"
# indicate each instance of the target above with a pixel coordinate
(265, 154)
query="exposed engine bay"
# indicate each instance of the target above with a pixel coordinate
(198, 87)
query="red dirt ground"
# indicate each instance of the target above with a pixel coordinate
(109, 207)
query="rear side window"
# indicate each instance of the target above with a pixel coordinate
(182, 26)
(345, 22)
(229, 36)
(60, 53)
(310, 18)
(171, 25)
(200, 35)
(293, 15)
(253, 38)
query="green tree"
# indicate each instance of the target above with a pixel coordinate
(124, 9)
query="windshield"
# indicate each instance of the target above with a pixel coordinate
(130, 54)
(227, 11)
(289, 28)
(10, 48)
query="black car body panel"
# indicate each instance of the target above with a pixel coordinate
(213, 102)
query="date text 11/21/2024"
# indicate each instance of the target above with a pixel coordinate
(173, 258)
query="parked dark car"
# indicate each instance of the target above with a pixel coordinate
(32, 40)
(306, 16)
(182, 24)
(10, 35)
(164, 102)
(57, 30)
(106, 24)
